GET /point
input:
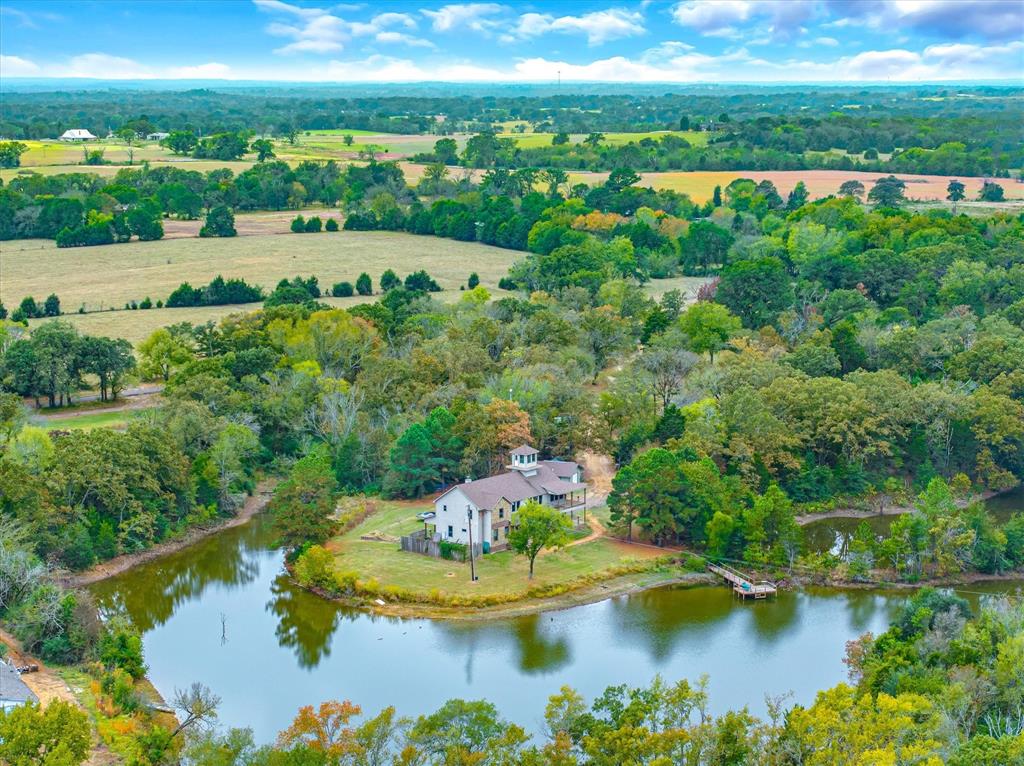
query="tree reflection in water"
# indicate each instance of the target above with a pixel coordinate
(305, 622)
(528, 640)
(151, 593)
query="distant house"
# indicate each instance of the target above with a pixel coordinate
(13, 691)
(488, 504)
(77, 134)
(156, 136)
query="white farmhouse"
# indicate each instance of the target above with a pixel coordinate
(485, 506)
(77, 134)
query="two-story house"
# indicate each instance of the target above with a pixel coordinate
(485, 506)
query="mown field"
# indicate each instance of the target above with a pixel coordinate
(109, 276)
(534, 140)
(700, 185)
(502, 573)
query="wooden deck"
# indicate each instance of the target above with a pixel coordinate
(742, 585)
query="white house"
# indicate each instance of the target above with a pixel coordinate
(158, 136)
(13, 691)
(485, 506)
(77, 134)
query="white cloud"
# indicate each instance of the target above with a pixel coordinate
(102, 66)
(29, 20)
(712, 18)
(598, 26)
(319, 30)
(15, 66)
(402, 37)
(469, 15)
(819, 42)
(210, 71)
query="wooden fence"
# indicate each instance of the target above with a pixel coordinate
(418, 542)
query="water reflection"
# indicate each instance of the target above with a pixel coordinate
(286, 648)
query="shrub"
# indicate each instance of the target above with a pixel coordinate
(331, 225)
(474, 280)
(389, 281)
(313, 225)
(421, 281)
(298, 225)
(220, 222)
(120, 647)
(342, 290)
(363, 284)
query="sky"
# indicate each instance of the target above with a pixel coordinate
(577, 40)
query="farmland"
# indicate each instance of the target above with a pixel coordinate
(533, 140)
(109, 276)
(700, 185)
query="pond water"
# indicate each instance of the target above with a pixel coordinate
(221, 612)
(834, 535)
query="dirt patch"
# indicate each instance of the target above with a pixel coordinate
(120, 564)
(598, 471)
(251, 224)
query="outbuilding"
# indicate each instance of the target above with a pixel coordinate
(77, 134)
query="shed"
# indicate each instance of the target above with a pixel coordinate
(77, 134)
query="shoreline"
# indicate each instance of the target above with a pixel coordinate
(127, 561)
(892, 510)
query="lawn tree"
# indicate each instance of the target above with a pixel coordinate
(887, 192)
(220, 222)
(180, 142)
(852, 188)
(535, 527)
(303, 504)
(263, 148)
(955, 193)
(129, 136)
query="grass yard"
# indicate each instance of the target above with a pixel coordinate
(503, 573)
(108, 276)
(118, 420)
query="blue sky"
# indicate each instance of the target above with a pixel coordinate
(653, 41)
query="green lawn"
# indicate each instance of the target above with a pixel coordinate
(87, 422)
(503, 573)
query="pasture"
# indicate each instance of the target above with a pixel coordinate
(700, 185)
(106, 277)
(535, 140)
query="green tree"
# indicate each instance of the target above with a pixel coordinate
(708, 327)
(851, 188)
(264, 149)
(363, 284)
(180, 141)
(535, 527)
(120, 646)
(303, 505)
(220, 222)
(887, 192)
(57, 735)
(414, 466)
(955, 192)
(10, 153)
(756, 290)
(389, 281)
(163, 352)
(991, 192)
(798, 197)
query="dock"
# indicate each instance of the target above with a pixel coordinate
(742, 585)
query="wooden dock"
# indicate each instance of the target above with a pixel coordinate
(742, 585)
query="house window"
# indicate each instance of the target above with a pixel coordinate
(450, 531)
(501, 513)
(495, 535)
(444, 508)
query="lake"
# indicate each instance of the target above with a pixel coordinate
(221, 612)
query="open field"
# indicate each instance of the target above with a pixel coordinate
(700, 185)
(499, 573)
(108, 276)
(534, 140)
(117, 419)
(252, 224)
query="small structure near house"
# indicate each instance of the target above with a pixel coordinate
(77, 134)
(489, 504)
(13, 691)
(156, 136)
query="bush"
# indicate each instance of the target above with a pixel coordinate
(474, 280)
(342, 290)
(298, 225)
(120, 647)
(421, 281)
(220, 222)
(363, 284)
(389, 281)
(331, 225)
(313, 225)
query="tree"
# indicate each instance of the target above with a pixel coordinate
(705, 246)
(325, 730)
(756, 290)
(991, 192)
(180, 141)
(363, 284)
(602, 333)
(887, 192)
(473, 281)
(414, 467)
(559, 139)
(109, 360)
(955, 192)
(303, 504)
(196, 706)
(851, 188)
(120, 647)
(10, 153)
(535, 527)
(264, 149)
(389, 281)
(163, 352)
(708, 327)
(798, 197)
(57, 735)
(668, 365)
(129, 136)
(220, 222)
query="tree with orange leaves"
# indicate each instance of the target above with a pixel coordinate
(490, 433)
(327, 730)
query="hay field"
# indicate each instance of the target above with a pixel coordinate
(534, 140)
(700, 185)
(108, 276)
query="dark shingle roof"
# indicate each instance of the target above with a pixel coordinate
(12, 688)
(525, 449)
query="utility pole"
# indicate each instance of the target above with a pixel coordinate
(472, 562)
